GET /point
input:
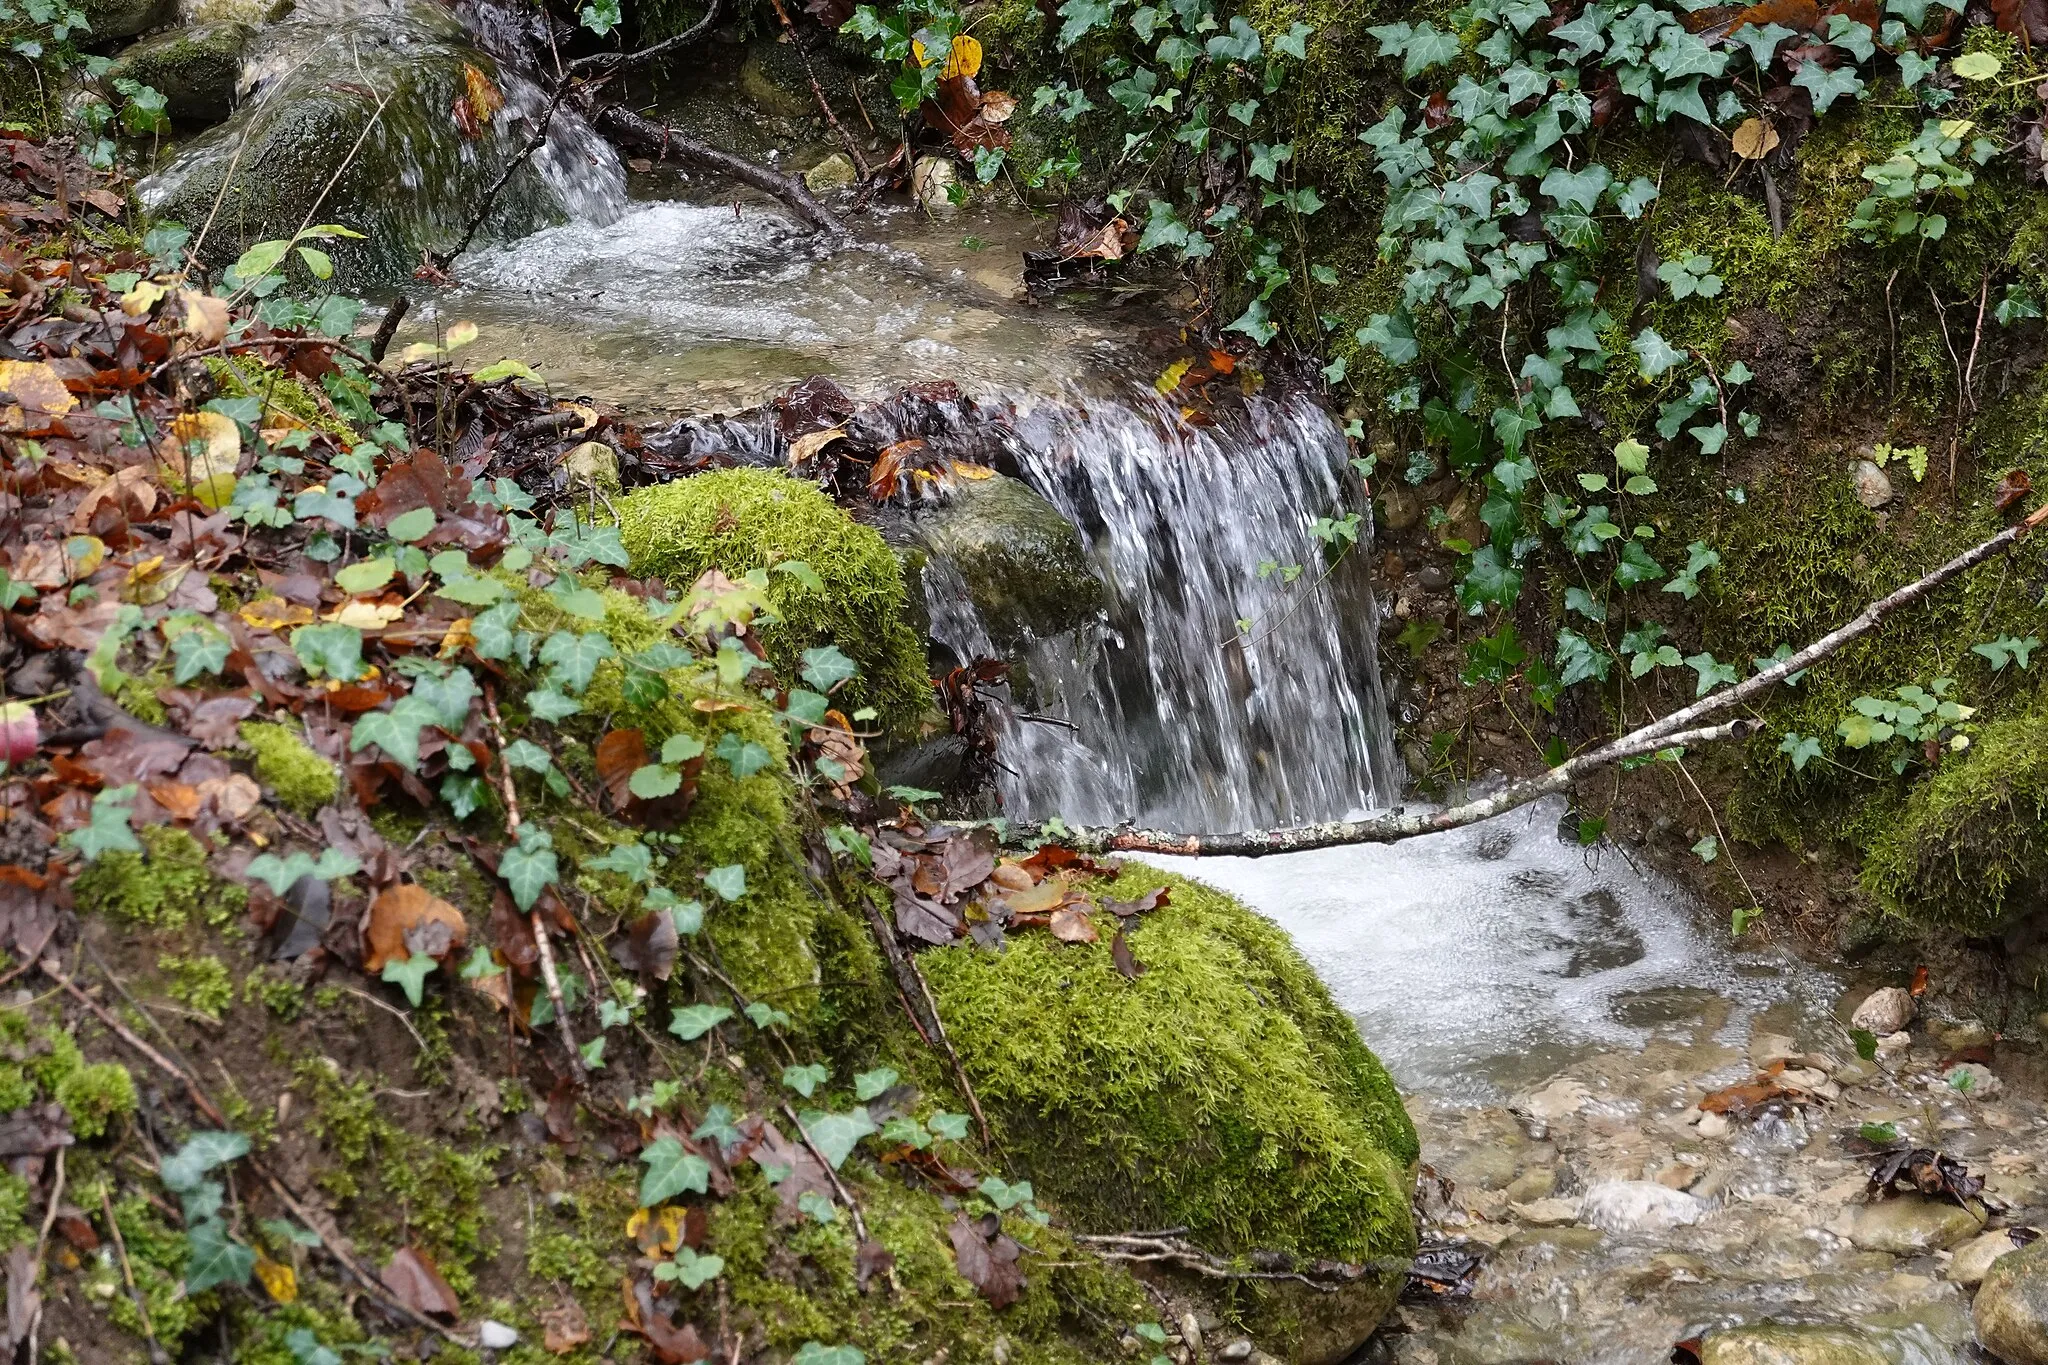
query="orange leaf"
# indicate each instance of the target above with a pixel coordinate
(406, 920)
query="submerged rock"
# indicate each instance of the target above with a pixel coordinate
(1974, 1258)
(194, 68)
(1780, 1344)
(438, 121)
(2012, 1307)
(1911, 1225)
(1622, 1206)
(1220, 1091)
(1021, 561)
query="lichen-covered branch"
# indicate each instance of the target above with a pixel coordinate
(1681, 728)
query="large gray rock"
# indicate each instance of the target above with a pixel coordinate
(1773, 1343)
(2012, 1307)
(1022, 562)
(124, 18)
(1912, 1225)
(312, 87)
(194, 68)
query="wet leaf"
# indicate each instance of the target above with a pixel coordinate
(278, 1281)
(564, 1327)
(407, 921)
(1120, 954)
(620, 756)
(649, 947)
(414, 1281)
(1754, 139)
(2013, 489)
(987, 1258)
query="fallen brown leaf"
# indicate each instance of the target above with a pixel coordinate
(408, 919)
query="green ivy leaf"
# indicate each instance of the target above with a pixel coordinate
(1800, 749)
(184, 1169)
(410, 973)
(528, 867)
(330, 651)
(410, 527)
(869, 1084)
(836, 1135)
(107, 829)
(671, 1170)
(694, 1021)
(805, 1079)
(213, 1258)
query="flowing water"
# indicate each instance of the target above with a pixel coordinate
(1555, 1012)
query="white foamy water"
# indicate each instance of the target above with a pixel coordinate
(1485, 959)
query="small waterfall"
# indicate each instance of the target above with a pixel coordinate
(1180, 718)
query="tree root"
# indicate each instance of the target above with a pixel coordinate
(1170, 1246)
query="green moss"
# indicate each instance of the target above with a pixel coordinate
(1221, 1090)
(296, 775)
(201, 981)
(737, 520)
(1970, 846)
(58, 1058)
(96, 1095)
(15, 1198)
(281, 997)
(16, 1091)
(165, 886)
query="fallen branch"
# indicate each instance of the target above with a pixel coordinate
(1682, 728)
(668, 144)
(1171, 1247)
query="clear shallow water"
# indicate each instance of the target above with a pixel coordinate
(689, 307)
(1482, 961)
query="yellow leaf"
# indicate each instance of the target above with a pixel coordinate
(278, 1280)
(206, 317)
(141, 571)
(208, 446)
(1169, 379)
(484, 99)
(460, 335)
(86, 554)
(457, 639)
(804, 447)
(964, 59)
(657, 1231)
(141, 298)
(1754, 139)
(36, 389)
(977, 472)
(366, 615)
(274, 613)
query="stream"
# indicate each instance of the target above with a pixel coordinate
(1554, 1013)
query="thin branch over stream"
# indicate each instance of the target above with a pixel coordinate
(1681, 728)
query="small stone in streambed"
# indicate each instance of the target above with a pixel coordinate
(1562, 1098)
(1240, 1349)
(1773, 1343)
(1678, 1176)
(1911, 1225)
(1973, 1079)
(1484, 1168)
(496, 1336)
(1884, 1011)
(1547, 1213)
(835, 172)
(1973, 1259)
(1538, 1182)
(1623, 1206)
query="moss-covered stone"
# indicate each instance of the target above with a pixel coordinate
(738, 520)
(1222, 1090)
(297, 776)
(167, 885)
(193, 68)
(1022, 562)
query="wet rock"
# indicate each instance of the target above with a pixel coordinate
(1714, 1126)
(835, 172)
(931, 182)
(1678, 1176)
(1779, 1344)
(592, 464)
(1893, 1044)
(1561, 1098)
(2012, 1307)
(1538, 1182)
(1547, 1213)
(1487, 1168)
(193, 68)
(1911, 1225)
(1964, 1034)
(1241, 1349)
(1884, 1011)
(1855, 1071)
(1973, 1258)
(496, 1336)
(1399, 508)
(292, 143)
(1626, 1206)
(1433, 578)
(124, 18)
(1973, 1079)
(1021, 561)
(1765, 1048)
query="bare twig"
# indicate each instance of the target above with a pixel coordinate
(825, 106)
(1681, 728)
(442, 260)
(860, 1227)
(1172, 1248)
(603, 64)
(157, 1355)
(545, 949)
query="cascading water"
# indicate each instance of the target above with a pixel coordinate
(1216, 693)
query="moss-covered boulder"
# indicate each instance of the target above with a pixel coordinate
(1970, 850)
(740, 520)
(194, 68)
(124, 18)
(1222, 1091)
(1022, 562)
(379, 151)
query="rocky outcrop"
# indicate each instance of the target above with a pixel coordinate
(196, 69)
(1021, 561)
(402, 147)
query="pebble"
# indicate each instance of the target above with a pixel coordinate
(1621, 1206)
(1191, 1332)
(1538, 1182)
(1873, 489)
(1678, 1176)
(1562, 1098)
(1713, 1125)
(1241, 1349)
(1782, 1344)
(496, 1336)
(1884, 1011)
(1893, 1044)
(1973, 1258)
(1547, 1213)
(1973, 1079)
